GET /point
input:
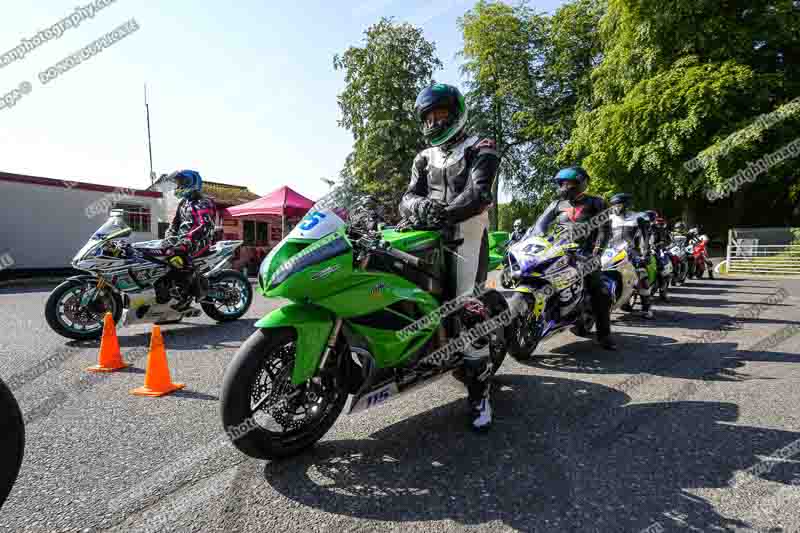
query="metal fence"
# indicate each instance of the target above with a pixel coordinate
(771, 251)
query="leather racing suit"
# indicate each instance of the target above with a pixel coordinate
(460, 175)
(632, 228)
(573, 215)
(194, 224)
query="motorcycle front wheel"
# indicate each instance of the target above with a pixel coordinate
(12, 441)
(67, 317)
(267, 416)
(521, 335)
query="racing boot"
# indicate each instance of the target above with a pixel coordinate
(644, 296)
(478, 370)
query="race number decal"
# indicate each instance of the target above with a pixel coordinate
(312, 219)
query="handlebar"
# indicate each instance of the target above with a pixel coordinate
(375, 245)
(416, 262)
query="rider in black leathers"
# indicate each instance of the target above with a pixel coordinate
(574, 209)
(660, 236)
(451, 185)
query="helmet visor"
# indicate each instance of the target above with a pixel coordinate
(436, 116)
(182, 181)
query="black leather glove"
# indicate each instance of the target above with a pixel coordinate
(431, 213)
(407, 224)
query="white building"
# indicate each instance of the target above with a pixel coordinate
(46, 221)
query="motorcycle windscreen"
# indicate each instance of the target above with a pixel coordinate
(85, 250)
(113, 228)
(316, 224)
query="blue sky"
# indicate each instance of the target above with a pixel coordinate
(244, 92)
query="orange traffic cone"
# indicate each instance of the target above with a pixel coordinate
(110, 359)
(157, 381)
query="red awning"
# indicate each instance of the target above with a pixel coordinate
(283, 201)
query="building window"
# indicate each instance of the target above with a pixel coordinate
(136, 216)
(162, 229)
(249, 232)
(261, 234)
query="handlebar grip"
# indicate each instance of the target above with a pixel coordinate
(416, 262)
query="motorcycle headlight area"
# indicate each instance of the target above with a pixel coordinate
(306, 258)
(533, 249)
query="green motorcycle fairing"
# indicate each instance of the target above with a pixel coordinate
(318, 276)
(652, 270)
(497, 248)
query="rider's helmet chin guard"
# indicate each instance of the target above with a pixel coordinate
(577, 175)
(622, 199)
(441, 96)
(187, 183)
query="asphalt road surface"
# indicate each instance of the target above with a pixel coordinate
(667, 434)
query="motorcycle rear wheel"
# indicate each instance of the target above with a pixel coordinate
(265, 362)
(223, 311)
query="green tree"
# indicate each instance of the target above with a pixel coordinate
(500, 47)
(518, 209)
(382, 80)
(527, 75)
(675, 80)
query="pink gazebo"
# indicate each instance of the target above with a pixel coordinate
(283, 202)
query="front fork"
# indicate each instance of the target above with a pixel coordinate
(89, 297)
(330, 346)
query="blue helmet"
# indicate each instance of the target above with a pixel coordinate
(577, 175)
(187, 182)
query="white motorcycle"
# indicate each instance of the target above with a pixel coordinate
(136, 284)
(680, 252)
(619, 273)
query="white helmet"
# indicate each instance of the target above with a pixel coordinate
(704, 238)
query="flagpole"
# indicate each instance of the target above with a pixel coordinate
(149, 144)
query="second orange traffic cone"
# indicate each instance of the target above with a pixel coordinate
(157, 381)
(110, 359)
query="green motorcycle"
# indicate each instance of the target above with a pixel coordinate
(497, 249)
(366, 324)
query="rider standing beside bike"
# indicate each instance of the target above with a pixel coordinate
(660, 236)
(575, 208)
(194, 226)
(632, 228)
(660, 240)
(451, 184)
